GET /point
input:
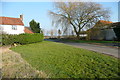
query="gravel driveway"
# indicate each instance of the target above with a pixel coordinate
(97, 48)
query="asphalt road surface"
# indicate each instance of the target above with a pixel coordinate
(97, 48)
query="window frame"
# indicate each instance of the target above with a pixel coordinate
(14, 27)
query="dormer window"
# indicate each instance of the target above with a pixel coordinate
(14, 27)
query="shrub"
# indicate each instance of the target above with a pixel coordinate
(21, 39)
(117, 32)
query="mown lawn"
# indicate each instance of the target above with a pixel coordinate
(58, 60)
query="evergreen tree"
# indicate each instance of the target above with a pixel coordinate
(35, 27)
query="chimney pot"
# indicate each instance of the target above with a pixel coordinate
(21, 17)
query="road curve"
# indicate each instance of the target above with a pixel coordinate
(97, 48)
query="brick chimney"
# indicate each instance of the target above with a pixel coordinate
(21, 17)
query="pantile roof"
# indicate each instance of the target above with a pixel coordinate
(10, 21)
(27, 30)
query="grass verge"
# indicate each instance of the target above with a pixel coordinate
(13, 66)
(62, 61)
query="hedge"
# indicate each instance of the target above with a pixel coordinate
(117, 32)
(21, 39)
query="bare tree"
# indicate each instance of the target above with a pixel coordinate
(59, 32)
(51, 33)
(77, 15)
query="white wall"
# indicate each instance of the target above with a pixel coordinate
(8, 29)
(110, 34)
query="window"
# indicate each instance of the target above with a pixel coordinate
(14, 27)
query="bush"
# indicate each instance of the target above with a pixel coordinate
(21, 39)
(117, 32)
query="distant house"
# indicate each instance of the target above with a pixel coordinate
(102, 31)
(11, 25)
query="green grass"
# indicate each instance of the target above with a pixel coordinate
(58, 60)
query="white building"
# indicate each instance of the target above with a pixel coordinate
(102, 31)
(11, 25)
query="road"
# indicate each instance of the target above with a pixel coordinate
(97, 48)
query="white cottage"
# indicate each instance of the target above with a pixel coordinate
(11, 25)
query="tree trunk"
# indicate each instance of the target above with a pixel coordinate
(77, 32)
(78, 36)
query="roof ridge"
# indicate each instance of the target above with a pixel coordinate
(105, 21)
(7, 17)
